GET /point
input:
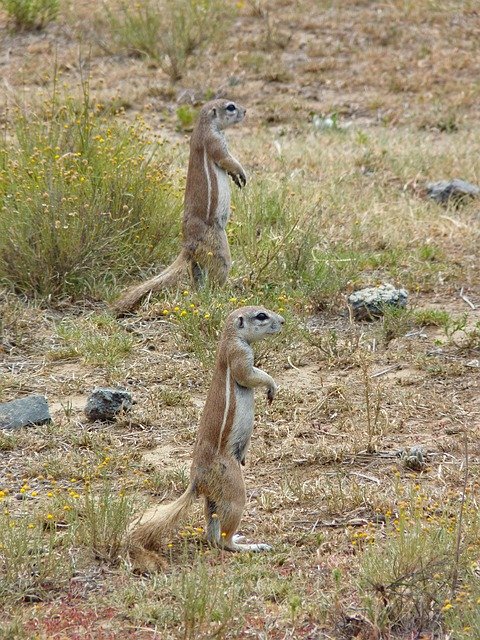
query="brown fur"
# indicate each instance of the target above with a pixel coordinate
(222, 441)
(205, 251)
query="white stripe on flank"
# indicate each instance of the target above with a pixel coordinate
(227, 407)
(209, 183)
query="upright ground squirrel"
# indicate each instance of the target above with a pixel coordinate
(223, 437)
(205, 251)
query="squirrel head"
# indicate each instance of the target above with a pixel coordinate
(255, 323)
(223, 113)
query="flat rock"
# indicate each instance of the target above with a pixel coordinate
(104, 404)
(24, 412)
(445, 191)
(369, 303)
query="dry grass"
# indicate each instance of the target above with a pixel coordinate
(363, 545)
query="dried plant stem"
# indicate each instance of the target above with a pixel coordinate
(460, 517)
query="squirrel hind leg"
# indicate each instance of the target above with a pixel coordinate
(197, 274)
(222, 524)
(213, 533)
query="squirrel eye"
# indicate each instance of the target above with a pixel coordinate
(261, 316)
(231, 107)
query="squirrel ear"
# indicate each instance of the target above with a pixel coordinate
(240, 322)
(214, 112)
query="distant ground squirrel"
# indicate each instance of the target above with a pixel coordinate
(223, 437)
(205, 251)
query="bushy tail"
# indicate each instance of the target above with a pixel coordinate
(169, 277)
(150, 531)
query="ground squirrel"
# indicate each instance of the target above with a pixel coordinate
(222, 441)
(205, 251)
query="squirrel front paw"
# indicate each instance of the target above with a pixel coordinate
(271, 393)
(240, 179)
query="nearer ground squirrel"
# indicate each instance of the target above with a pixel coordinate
(222, 441)
(205, 251)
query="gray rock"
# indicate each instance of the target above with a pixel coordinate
(24, 412)
(414, 459)
(369, 303)
(453, 190)
(105, 404)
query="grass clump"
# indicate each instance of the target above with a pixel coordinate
(200, 597)
(167, 31)
(97, 340)
(31, 562)
(464, 337)
(207, 608)
(271, 235)
(407, 577)
(431, 317)
(30, 14)
(99, 518)
(404, 578)
(83, 200)
(462, 611)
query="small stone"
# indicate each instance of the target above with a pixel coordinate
(105, 404)
(445, 191)
(413, 459)
(369, 303)
(24, 412)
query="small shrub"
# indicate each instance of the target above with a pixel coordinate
(201, 316)
(404, 579)
(331, 272)
(396, 322)
(84, 201)
(168, 31)
(30, 14)
(462, 611)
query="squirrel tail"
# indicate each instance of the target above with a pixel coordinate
(148, 534)
(169, 277)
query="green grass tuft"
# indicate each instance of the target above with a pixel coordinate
(97, 340)
(31, 14)
(167, 31)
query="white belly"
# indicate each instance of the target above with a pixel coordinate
(243, 421)
(222, 213)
